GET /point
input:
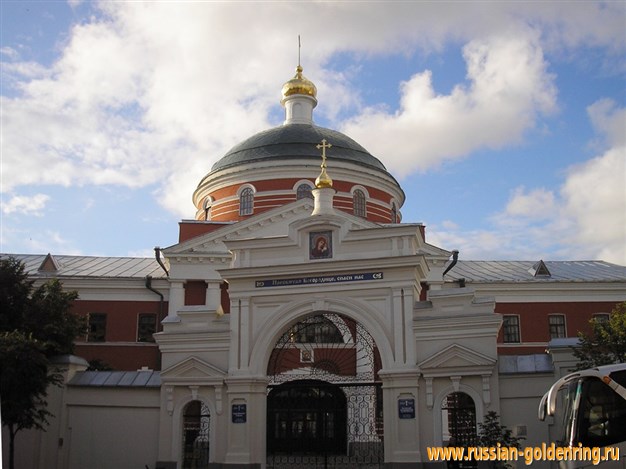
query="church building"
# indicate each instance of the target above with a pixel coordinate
(298, 322)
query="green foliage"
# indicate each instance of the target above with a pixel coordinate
(50, 320)
(24, 379)
(15, 290)
(492, 434)
(35, 324)
(98, 365)
(606, 344)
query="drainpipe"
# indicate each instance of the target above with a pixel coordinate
(455, 258)
(149, 287)
(157, 256)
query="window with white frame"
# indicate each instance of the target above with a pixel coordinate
(557, 326)
(207, 208)
(510, 329)
(394, 213)
(358, 201)
(146, 327)
(602, 317)
(304, 192)
(246, 201)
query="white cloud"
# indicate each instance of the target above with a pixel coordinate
(594, 193)
(584, 219)
(25, 205)
(9, 52)
(537, 204)
(153, 93)
(509, 88)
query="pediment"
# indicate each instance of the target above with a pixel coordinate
(49, 264)
(270, 224)
(456, 357)
(193, 370)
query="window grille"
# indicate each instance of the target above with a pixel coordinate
(304, 192)
(557, 326)
(510, 328)
(358, 199)
(97, 327)
(146, 326)
(246, 202)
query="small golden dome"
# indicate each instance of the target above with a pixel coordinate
(323, 180)
(299, 85)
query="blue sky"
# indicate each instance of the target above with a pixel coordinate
(503, 121)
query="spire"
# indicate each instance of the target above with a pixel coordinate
(299, 97)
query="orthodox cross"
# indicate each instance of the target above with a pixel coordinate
(323, 146)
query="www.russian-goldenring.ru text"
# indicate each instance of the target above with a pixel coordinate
(545, 452)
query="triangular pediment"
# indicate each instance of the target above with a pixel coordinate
(191, 371)
(270, 224)
(49, 264)
(539, 269)
(456, 357)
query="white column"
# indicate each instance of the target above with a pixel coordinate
(213, 294)
(177, 298)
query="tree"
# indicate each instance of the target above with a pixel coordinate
(491, 434)
(606, 343)
(35, 324)
(24, 379)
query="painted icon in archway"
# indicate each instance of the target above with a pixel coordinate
(320, 245)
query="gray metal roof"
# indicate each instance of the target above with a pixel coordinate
(134, 379)
(91, 266)
(522, 271)
(471, 271)
(297, 140)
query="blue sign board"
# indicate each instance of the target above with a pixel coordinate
(406, 408)
(320, 280)
(239, 413)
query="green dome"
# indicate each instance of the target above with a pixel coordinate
(295, 141)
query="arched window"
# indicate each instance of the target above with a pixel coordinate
(196, 426)
(458, 417)
(358, 200)
(304, 192)
(207, 208)
(246, 202)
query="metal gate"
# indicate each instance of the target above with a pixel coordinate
(196, 426)
(324, 399)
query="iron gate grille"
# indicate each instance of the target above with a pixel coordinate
(324, 399)
(196, 425)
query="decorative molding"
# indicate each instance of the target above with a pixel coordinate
(486, 389)
(458, 360)
(429, 393)
(193, 372)
(456, 383)
(218, 399)
(169, 397)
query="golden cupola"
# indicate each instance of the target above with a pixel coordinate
(299, 99)
(299, 85)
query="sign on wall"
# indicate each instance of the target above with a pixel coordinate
(319, 280)
(406, 408)
(239, 413)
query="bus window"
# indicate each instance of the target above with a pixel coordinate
(602, 415)
(570, 399)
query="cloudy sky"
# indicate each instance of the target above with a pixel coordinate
(505, 122)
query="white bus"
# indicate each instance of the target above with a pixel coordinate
(590, 406)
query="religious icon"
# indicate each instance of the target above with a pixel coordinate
(320, 245)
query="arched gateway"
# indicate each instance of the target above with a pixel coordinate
(324, 404)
